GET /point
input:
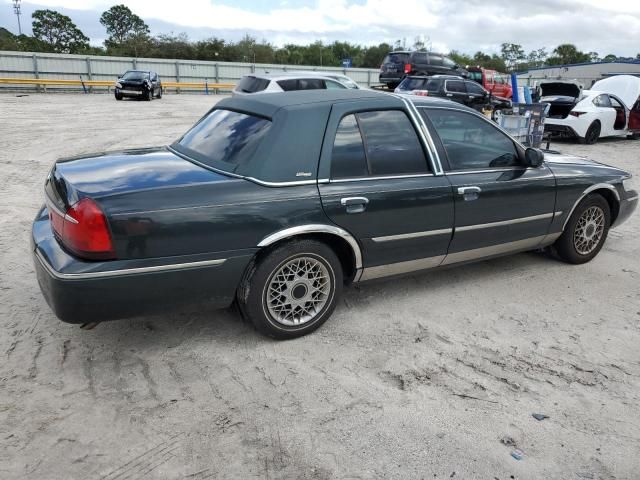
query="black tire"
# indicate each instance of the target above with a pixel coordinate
(149, 95)
(592, 135)
(567, 245)
(633, 136)
(159, 93)
(253, 292)
(392, 86)
(118, 96)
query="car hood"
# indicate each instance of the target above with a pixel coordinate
(557, 161)
(561, 89)
(112, 173)
(625, 87)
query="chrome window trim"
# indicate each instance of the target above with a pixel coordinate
(406, 236)
(631, 199)
(382, 177)
(316, 228)
(425, 136)
(488, 170)
(479, 226)
(127, 271)
(592, 188)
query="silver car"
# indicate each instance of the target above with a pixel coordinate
(289, 81)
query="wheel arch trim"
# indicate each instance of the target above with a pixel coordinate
(591, 189)
(316, 228)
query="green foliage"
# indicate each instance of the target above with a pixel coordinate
(58, 32)
(126, 30)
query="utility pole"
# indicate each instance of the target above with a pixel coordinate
(16, 10)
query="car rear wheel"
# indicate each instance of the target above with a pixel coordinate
(592, 135)
(586, 230)
(292, 290)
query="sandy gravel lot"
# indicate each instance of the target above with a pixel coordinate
(431, 376)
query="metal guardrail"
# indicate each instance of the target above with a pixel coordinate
(110, 83)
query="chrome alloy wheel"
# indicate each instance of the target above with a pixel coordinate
(589, 230)
(298, 290)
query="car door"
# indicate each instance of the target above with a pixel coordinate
(634, 117)
(381, 187)
(606, 114)
(477, 97)
(500, 205)
(456, 91)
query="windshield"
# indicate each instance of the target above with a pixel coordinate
(224, 139)
(477, 76)
(135, 75)
(413, 84)
(346, 81)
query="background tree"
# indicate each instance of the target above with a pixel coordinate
(513, 55)
(122, 26)
(58, 31)
(568, 53)
(610, 58)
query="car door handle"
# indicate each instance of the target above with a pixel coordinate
(469, 193)
(355, 204)
(449, 94)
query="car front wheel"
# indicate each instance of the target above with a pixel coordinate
(586, 230)
(291, 290)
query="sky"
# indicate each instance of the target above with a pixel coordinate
(463, 25)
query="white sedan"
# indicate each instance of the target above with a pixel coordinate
(610, 108)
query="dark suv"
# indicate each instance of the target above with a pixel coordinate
(397, 65)
(139, 84)
(458, 89)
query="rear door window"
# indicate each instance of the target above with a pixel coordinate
(331, 85)
(602, 101)
(302, 84)
(377, 143)
(456, 86)
(474, 88)
(413, 84)
(250, 84)
(348, 158)
(224, 139)
(435, 60)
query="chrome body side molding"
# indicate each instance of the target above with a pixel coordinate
(126, 271)
(401, 267)
(379, 271)
(406, 236)
(317, 228)
(504, 222)
(592, 188)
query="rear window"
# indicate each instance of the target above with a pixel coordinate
(224, 139)
(477, 76)
(396, 58)
(252, 84)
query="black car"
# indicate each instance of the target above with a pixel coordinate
(278, 201)
(397, 65)
(138, 84)
(458, 89)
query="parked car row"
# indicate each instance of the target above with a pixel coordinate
(278, 201)
(458, 89)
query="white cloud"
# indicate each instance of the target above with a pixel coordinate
(465, 25)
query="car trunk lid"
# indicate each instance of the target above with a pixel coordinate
(562, 97)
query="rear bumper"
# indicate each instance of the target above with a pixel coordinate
(560, 130)
(389, 77)
(81, 291)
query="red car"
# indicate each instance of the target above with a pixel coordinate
(495, 82)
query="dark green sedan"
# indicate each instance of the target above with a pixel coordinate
(279, 201)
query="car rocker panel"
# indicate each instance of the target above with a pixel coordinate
(127, 233)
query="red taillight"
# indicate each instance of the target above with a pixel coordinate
(576, 114)
(421, 93)
(84, 230)
(407, 67)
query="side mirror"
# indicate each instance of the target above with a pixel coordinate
(533, 157)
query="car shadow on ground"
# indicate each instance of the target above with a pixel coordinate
(216, 328)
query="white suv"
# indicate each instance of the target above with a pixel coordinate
(288, 81)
